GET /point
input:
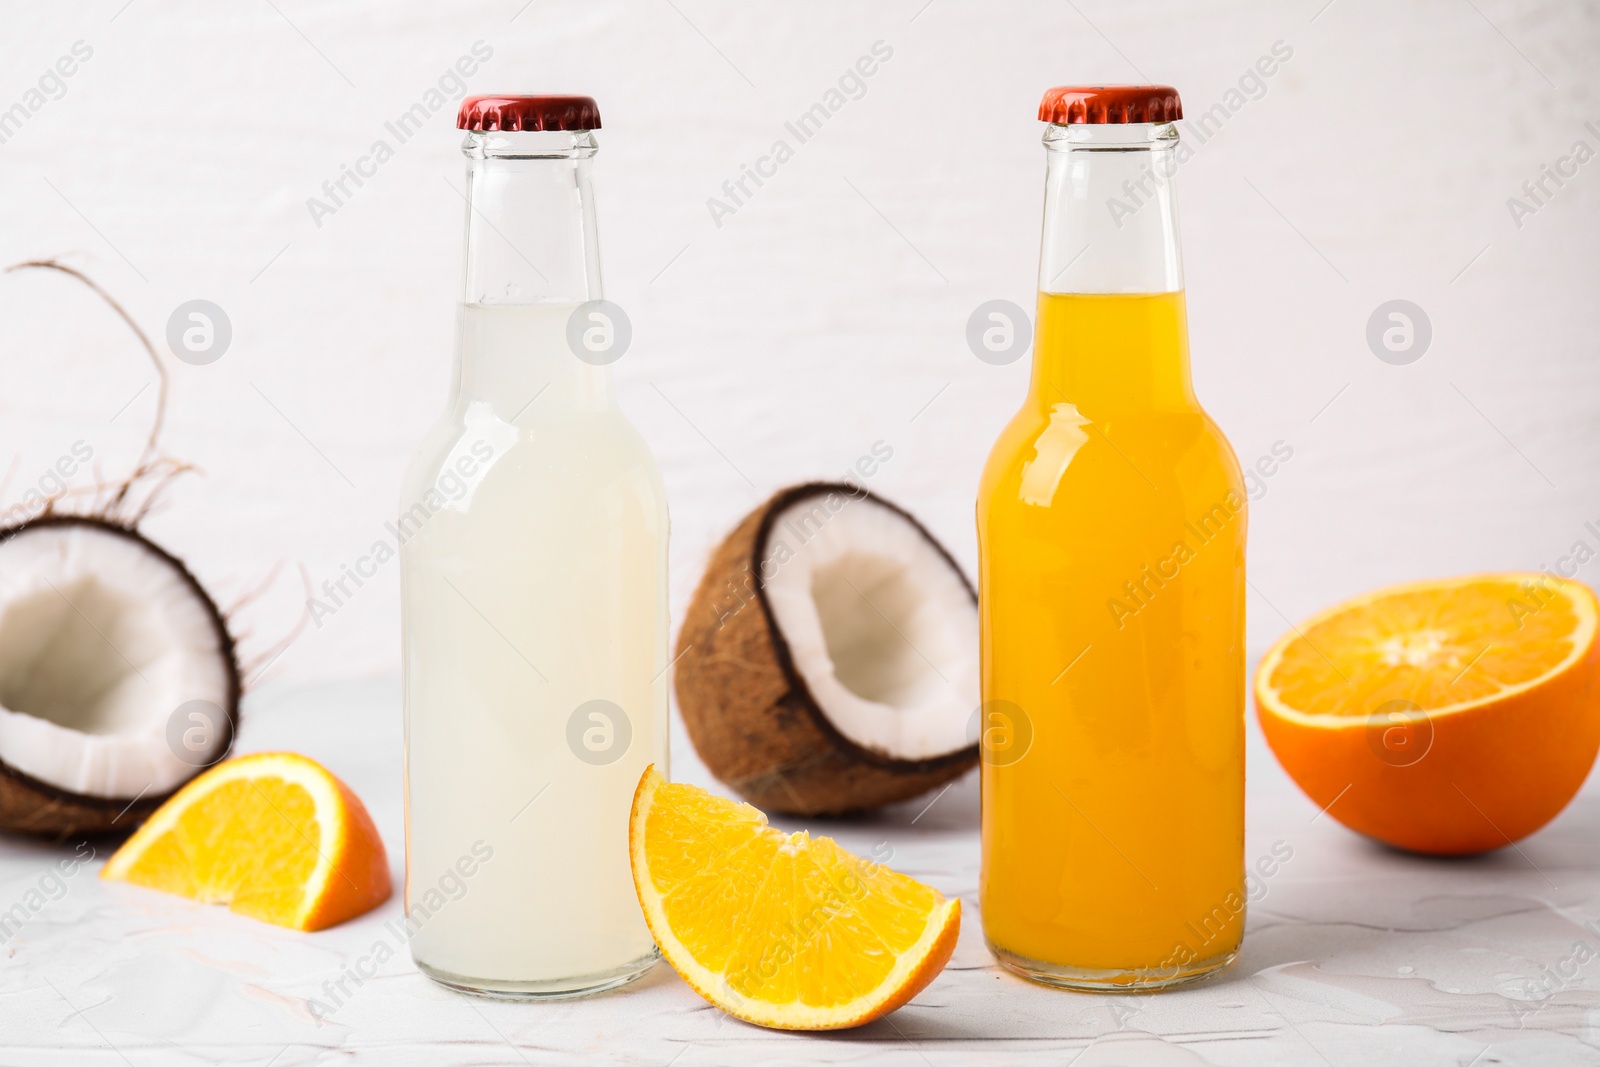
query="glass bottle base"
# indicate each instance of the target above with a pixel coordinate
(1085, 980)
(545, 989)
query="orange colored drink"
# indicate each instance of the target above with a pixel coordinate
(1111, 525)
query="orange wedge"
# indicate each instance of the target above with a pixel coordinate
(274, 836)
(781, 930)
(1450, 716)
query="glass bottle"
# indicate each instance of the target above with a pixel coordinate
(1111, 533)
(534, 592)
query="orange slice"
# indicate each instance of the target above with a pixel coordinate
(781, 930)
(274, 836)
(1449, 716)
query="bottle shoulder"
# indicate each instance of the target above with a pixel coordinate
(1049, 454)
(587, 453)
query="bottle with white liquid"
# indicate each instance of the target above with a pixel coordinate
(534, 560)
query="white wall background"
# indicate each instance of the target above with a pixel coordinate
(1377, 165)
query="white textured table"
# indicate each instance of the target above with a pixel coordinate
(1355, 955)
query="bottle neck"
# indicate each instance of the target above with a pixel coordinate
(531, 234)
(1112, 331)
(532, 256)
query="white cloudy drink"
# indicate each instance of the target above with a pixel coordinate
(534, 597)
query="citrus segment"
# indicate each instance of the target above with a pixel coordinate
(1437, 645)
(1448, 716)
(782, 930)
(274, 836)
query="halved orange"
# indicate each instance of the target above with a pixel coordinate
(781, 930)
(274, 836)
(1450, 716)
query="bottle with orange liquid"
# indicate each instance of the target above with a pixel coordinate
(1111, 534)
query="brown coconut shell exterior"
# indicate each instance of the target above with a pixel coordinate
(748, 711)
(29, 806)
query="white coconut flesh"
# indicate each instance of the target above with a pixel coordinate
(878, 623)
(102, 640)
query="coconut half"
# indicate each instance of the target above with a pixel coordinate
(118, 679)
(828, 662)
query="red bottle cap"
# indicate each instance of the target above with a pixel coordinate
(1075, 105)
(528, 113)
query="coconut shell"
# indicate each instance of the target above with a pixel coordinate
(748, 711)
(29, 806)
